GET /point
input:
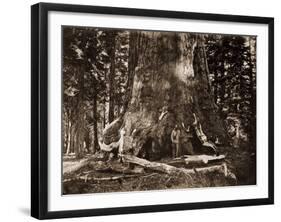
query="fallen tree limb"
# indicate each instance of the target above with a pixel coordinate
(168, 169)
(87, 178)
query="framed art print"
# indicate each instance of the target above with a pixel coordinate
(137, 110)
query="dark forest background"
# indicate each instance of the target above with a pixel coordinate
(97, 83)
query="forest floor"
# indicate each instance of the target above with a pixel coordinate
(240, 161)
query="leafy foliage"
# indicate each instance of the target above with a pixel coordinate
(232, 67)
(86, 69)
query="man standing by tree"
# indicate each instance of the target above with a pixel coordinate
(175, 137)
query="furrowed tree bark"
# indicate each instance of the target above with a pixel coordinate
(132, 63)
(171, 74)
(79, 131)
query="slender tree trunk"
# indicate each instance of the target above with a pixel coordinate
(72, 138)
(77, 149)
(216, 87)
(68, 137)
(95, 119)
(111, 78)
(104, 105)
(79, 127)
(65, 130)
(252, 128)
(222, 81)
(104, 114)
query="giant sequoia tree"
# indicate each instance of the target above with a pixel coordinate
(170, 85)
(125, 91)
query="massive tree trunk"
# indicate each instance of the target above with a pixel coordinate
(170, 78)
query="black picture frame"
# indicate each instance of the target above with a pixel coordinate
(39, 109)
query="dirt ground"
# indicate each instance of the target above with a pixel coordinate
(241, 162)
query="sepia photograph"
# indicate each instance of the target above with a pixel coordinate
(147, 110)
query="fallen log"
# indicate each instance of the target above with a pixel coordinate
(196, 159)
(168, 169)
(203, 158)
(217, 168)
(160, 167)
(116, 168)
(76, 167)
